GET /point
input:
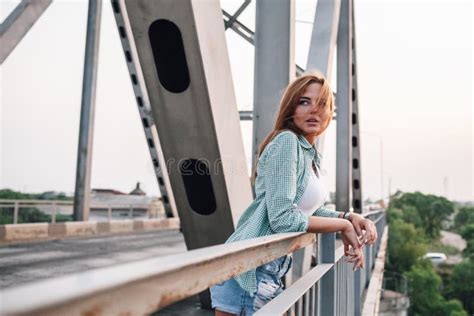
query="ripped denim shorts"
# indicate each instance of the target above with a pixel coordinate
(229, 297)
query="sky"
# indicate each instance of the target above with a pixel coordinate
(414, 61)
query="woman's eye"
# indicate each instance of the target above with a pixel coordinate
(304, 102)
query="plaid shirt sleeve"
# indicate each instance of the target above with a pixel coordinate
(324, 212)
(280, 179)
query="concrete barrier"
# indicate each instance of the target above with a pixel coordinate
(154, 224)
(12, 233)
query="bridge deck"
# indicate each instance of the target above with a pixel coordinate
(28, 262)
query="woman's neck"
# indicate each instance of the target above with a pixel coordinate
(311, 138)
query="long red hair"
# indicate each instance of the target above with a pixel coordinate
(288, 104)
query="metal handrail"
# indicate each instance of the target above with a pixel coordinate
(297, 294)
(143, 286)
(135, 288)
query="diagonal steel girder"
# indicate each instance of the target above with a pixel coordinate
(18, 23)
(247, 34)
(241, 9)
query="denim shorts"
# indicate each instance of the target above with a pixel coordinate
(229, 297)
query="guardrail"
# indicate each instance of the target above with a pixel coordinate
(145, 286)
(11, 209)
(302, 298)
(13, 233)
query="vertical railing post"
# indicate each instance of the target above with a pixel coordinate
(327, 298)
(53, 213)
(357, 293)
(343, 149)
(15, 212)
(109, 213)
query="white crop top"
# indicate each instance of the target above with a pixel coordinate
(314, 196)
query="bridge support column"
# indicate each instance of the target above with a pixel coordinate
(320, 57)
(186, 72)
(86, 124)
(274, 63)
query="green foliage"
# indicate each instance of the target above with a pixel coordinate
(452, 308)
(406, 244)
(425, 211)
(63, 218)
(425, 298)
(48, 195)
(467, 232)
(415, 221)
(468, 252)
(464, 216)
(438, 246)
(30, 214)
(14, 195)
(461, 285)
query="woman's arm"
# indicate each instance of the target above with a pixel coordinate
(327, 225)
(332, 225)
(325, 212)
(358, 221)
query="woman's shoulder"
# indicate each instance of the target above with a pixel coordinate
(284, 143)
(287, 136)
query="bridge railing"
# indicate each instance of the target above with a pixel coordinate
(11, 210)
(145, 286)
(302, 298)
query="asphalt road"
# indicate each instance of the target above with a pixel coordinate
(454, 240)
(27, 262)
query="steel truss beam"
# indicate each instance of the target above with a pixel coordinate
(344, 129)
(144, 108)
(357, 202)
(274, 63)
(86, 123)
(320, 57)
(194, 110)
(18, 23)
(247, 34)
(233, 18)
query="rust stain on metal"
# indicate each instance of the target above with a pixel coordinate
(295, 246)
(170, 298)
(93, 311)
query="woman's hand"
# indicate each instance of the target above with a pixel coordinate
(350, 240)
(361, 223)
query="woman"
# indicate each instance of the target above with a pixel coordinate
(289, 196)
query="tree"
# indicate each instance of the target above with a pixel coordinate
(426, 211)
(467, 233)
(406, 244)
(30, 214)
(464, 216)
(423, 290)
(14, 195)
(462, 284)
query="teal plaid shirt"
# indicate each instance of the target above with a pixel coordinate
(282, 176)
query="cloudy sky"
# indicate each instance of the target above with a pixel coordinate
(415, 96)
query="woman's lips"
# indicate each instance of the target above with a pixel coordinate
(312, 122)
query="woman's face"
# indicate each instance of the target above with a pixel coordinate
(307, 117)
